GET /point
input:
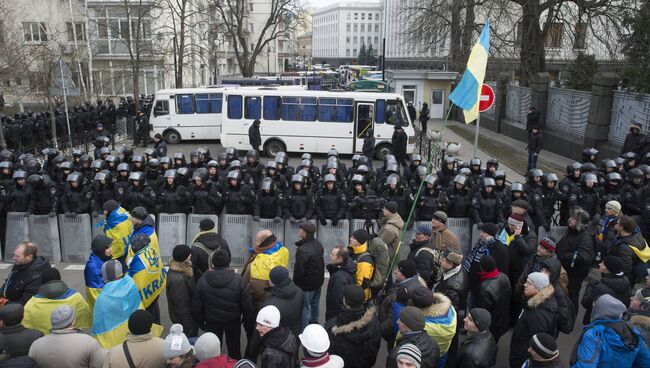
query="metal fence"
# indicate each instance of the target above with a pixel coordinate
(517, 102)
(628, 108)
(567, 110)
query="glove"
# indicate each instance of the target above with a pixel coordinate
(69, 214)
(292, 220)
(256, 218)
(52, 214)
(323, 222)
(335, 221)
(94, 214)
(277, 219)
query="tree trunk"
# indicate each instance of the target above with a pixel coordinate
(468, 32)
(532, 43)
(455, 52)
(181, 48)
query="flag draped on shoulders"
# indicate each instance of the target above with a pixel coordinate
(467, 93)
(149, 274)
(117, 226)
(93, 278)
(113, 307)
(38, 310)
(148, 229)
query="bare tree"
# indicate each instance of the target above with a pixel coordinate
(284, 16)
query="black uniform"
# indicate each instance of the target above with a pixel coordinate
(330, 205)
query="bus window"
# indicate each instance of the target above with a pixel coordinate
(272, 105)
(299, 108)
(364, 119)
(395, 113)
(308, 109)
(380, 113)
(253, 107)
(161, 108)
(344, 110)
(185, 104)
(208, 103)
(327, 109)
(234, 107)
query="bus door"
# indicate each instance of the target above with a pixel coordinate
(363, 123)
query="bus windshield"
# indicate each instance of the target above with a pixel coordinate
(395, 113)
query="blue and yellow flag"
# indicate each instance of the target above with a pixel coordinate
(149, 274)
(113, 307)
(467, 93)
(118, 227)
(38, 311)
(93, 278)
(147, 230)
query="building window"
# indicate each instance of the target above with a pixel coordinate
(376, 27)
(356, 27)
(580, 40)
(250, 6)
(356, 16)
(79, 30)
(363, 16)
(347, 52)
(354, 39)
(376, 40)
(347, 39)
(376, 16)
(369, 16)
(554, 36)
(363, 28)
(35, 31)
(354, 52)
(369, 40)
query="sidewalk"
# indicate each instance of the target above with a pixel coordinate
(510, 152)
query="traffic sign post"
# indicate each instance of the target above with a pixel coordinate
(486, 100)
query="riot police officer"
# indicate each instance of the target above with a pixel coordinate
(573, 173)
(122, 184)
(77, 196)
(103, 190)
(331, 202)
(396, 192)
(45, 195)
(139, 194)
(279, 179)
(253, 168)
(269, 201)
(172, 198)
(633, 193)
(20, 193)
(486, 206)
(298, 201)
(358, 198)
(550, 196)
(431, 200)
(410, 170)
(612, 190)
(204, 196)
(459, 197)
(239, 197)
(586, 195)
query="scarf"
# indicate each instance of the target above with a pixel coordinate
(488, 275)
(606, 222)
(316, 361)
(506, 238)
(481, 249)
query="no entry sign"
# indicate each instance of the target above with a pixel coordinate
(486, 99)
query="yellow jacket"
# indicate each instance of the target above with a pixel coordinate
(264, 262)
(365, 267)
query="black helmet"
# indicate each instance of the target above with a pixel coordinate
(332, 152)
(179, 156)
(421, 171)
(204, 152)
(183, 172)
(535, 173)
(392, 167)
(104, 175)
(589, 167)
(32, 166)
(165, 160)
(305, 163)
(645, 168)
(67, 166)
(86, 159)
(50, 153)
(629, 156)
(282, 158)
(614, 177)
(36, 181)
(475, 162)
(587, 153)
(271, 165)
(619, 161)
(234, 164)
(297, 178)
(126, 151)
(363, 160)
(76, 152)
(74, 177)
(139, 212)
(267, 184)
(195, 154)
(636, 173)
(252, 154)
(465, 171)
(104, 151)
(355, 158)
(517, 187)
(213, 163)
(416, 157)
(589, 177)
(551, 177)
(232, 152)
(307, 156)
(571, 168)
(357, 179)
(332, 164)
(329, 178)
(137, 176)
(304, 173)
(362, 169)
(6, 165)
(607, 164)
(150, 152)
(449, 160)
(388, 158)
(153, 164)
(492, 162)
(58, 160)
(137, 158)
(500, 175)
(110, 159)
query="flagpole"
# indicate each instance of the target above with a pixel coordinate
(478, 123)
(65, 103)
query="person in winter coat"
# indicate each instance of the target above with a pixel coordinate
(143, 347)
(439, 318)
(342, 270)
(315, 343)
(177, 350)
(254, 137)
(180, 289)
(422, 254)
(639, 312)
(205, 243)
(369, 147)
(480, 349)
(221, 302)
(278, 346)
(543, 352)
(266, 254)
(287, 297)
(545, 250)
(67, 346)
(635, 140)
(390, 226)
(144, 224)
(159, 145)
(441, 236)
(15, 339)
(566, 316)
(363, 259)
(25, 276)
(493, 295)
(208, 353)
(398, 144)
(424, 116)
(539, 315)
(309, 271)
(535, 143)
(487, 244)
(411, 325)
(608, 341)
(612, 282)
(627, 246)
(576, 252)
(101, 252)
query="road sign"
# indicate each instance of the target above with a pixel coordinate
(486, 99)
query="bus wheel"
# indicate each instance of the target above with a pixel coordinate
(272, 147)
(382, 150)
(172, 137)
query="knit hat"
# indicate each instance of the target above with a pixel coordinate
(176, 343)
(181, 252)
(269, 316)
(544, 345)
(353, 296)
(361, 235)
(548, 243)
(62, 317)
(308, 227)
(516, 219)
(279, 275)
(614, 264)
(453, 255)
(140, 322)
(207, 346)
(421, 296)
(50, 274)
(613, 206)
(412, 318)
(488, 263)
(206, 224)
(440, 216)
(111, 270)
(391, 206)
(424, 230)
(402, 295)
(100, 243)
(643, 294)
(482, 318)
(521, 204)
(12, 314)
(139, 213)
(139, 241)
(489, 228)
(244, 363)
(607, 307)
(408, 268)
(220, 258)
(411, 353)
(110, 205)
(538, 279)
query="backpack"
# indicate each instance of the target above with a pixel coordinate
(209, 251)
(379, 253)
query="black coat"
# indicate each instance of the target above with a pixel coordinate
(616, 286)
(180, 290)
(576, 252)
(254, 136)
(535, 142)
(340, 276)
(478, 351)
(369, 147)
(472, 264)
(539, 315)
(519, 249)
(456, 289)
(430, 352)
(309, 270)
(633, 143)
(221, 296)
(16, 340)
(622, 248)
(423, 255)
(399, 141)
(200, 258)
(354, 336)
(24, 280)
(288, 298)
(19, 362)
(494, 296)
(280, 348)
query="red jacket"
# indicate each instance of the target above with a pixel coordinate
(221, 361)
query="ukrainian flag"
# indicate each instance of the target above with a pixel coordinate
(118, 227)
(149, 231)
(113, 307)
(467, 93)
(93, 278)
(149, 274)
(38, 311)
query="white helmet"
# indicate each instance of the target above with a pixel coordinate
(269, 316)
(315, 339)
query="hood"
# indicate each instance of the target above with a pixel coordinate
(38, 264)
(220, 277)
(53, 289)
(148, 221)
(184, 268)
(415, 245)
(607, 307)
(440, 306)
(620, 336)
(210, 239)
(553, 264)
(285, 291)
(281, 338)
(357, 324)
(541, 297)
(348, 266)
(619, 284)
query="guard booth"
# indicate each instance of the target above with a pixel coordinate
(76, 237)
(171, 232)
(237, 231)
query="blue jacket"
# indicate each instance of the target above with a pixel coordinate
(611, 343)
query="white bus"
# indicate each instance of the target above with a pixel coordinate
(313, 121)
